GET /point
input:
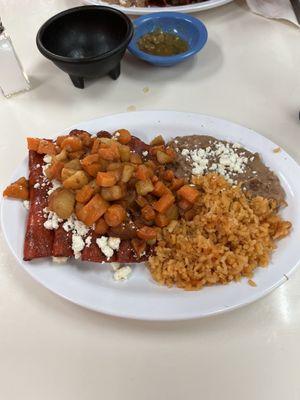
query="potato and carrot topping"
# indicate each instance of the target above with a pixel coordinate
(113, 185)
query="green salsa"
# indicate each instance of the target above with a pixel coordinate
(161, 43)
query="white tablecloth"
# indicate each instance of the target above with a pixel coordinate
(249, 73)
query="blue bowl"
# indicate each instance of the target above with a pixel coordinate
(187, 27)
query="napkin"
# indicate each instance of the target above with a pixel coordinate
(278, 9)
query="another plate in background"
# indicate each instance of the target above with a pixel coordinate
(191, 8)
(92, 286)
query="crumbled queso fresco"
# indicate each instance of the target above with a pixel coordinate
(228, 161)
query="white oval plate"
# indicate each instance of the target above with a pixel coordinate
(191, 8)
(92, 286)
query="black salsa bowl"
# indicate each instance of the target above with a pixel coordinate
(86, 42)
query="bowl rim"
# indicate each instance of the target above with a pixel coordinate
(169, 60)
(56, 57)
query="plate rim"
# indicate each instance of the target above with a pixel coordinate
(190, 8)
(130, 315)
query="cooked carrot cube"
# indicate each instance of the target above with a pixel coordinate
(71, 143)
(148, 213)
(18, 190)
(169, 175)
(189, 193)
(54, 170)
(93, 210)
(159, 189)
(95, 145)
(106, 179)
(101, 227)
(33, 143)
(177, 183)
(110, 153)
(92, 169)
(124, 136)
(164, 202)
(115, 215)
(143, 172)
(60, 139)
(75, 154)
(155, 149)
(46, 147)
(84, 194)
(141, 201)
(146, 233)
(90, 159)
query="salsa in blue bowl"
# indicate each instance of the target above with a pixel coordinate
(187, 28)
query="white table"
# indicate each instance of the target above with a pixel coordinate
(249, 73)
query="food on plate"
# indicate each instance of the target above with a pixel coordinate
(161, 43)
(198, 210)
(153, 3)
(226, 237)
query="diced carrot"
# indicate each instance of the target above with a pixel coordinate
(46, 147)
(164, 202)
(60, 139)
(92, 169)
(90, 159)
(124, 136)
(95, 145)
(106, 179)
(84, 194)
(135, 158)
(115, 215)
(169, 175)
(159, 189)
(161, 220)
(184, 204)
(54, 170)
(78, 207)
(84, 136)
(93, 210)
(18, 189)
(139, 247)
(110, 153)
(143, 172)
(189, 193)
(33, 143)
(177, 183)
(146, 233)
(72, 143)
(148, 213)
(101, 227)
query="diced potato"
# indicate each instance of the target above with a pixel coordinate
(71, 143)
(112, 193)
(161, 220)
(62, 202)
(148, 213)
(94, 186)
(62, 156)
(115, 215)
(76, 181)
(144, 187)
(66, 173)
(74, 164)
(146, 233)
(141, 201)
(54, 170)
(18, 189)
(163, 158)
(101, 227)
(60, 139)
(124, 136)
(124, 153)
(127, 173)
(157, 141)
(93, 210)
